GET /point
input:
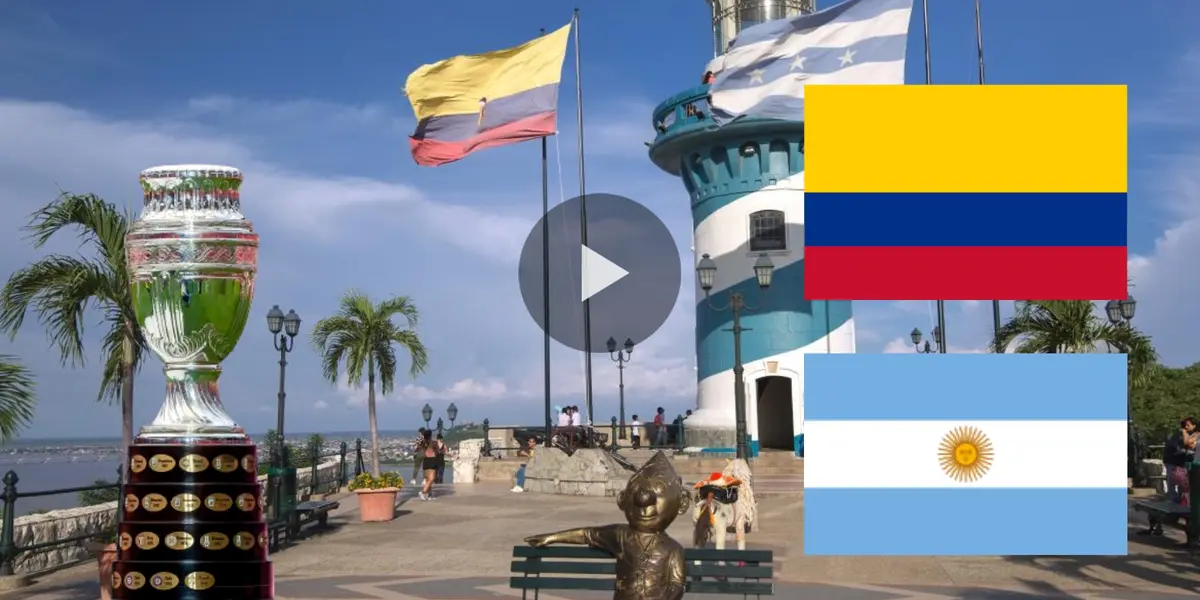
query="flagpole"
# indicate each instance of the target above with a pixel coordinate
(546, 282)
(979, 48)
(583, 230)
(941, 304)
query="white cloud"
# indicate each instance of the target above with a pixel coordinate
(320, 405)
(57, 150)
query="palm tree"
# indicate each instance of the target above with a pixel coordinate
(1073, 326)
(59, 289)
(362, 335)
(17, 397)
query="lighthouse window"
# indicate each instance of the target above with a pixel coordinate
(767, 231)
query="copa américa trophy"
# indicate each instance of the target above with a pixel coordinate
(191, 520)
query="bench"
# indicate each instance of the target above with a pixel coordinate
(744, 572)
(305, 513)
(276, 532)
(315, 511)
(1160, 513)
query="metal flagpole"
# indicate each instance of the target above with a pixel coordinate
(546, 282)
(941, 304)
(979, 48)
(583, 230)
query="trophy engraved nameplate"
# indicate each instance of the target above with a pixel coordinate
(191, 516)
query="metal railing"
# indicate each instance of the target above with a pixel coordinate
(339, 478)
(318, 482)
(676, 436)
(9, 550)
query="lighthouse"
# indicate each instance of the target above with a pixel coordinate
(745, 183)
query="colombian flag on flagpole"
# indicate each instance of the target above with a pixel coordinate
(965, 192)
(471, 102)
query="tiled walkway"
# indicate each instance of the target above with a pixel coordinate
(459, 547)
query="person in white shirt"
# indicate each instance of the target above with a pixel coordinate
(635, 433)
(574, 416)
(564, 417)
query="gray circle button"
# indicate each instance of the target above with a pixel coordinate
(629, 271)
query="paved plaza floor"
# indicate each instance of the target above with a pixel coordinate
(459, 546)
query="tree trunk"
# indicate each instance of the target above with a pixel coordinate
(127, 389)
(371, 417)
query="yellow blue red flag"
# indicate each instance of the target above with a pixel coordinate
(998, 192)
(470, 102)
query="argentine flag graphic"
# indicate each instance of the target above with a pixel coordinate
(965, 454)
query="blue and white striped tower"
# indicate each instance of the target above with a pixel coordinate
(746, 184)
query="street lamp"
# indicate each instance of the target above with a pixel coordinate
(621, 357)
(1120, 313)
(937, 341)
(283, 330)
(706, 270)
(451, 412)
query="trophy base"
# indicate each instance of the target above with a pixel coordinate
(191, 520)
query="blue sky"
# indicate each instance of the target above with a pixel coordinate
(305, 99)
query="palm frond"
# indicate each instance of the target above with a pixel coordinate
(58, 289)
(17, 397)
(399, 305)
(1076, 326)
(418, 355)
(120, 331)
(99, 222)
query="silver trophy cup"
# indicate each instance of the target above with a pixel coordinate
(192, 261)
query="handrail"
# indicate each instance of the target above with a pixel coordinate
(9, 550)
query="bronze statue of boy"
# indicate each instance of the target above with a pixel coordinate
(649, 561)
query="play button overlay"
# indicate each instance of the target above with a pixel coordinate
(629, 272)
(597, 273)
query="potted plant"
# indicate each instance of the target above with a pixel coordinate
(103, 546)
(376, 495)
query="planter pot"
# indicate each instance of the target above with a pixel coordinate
(377, 505)
(105, 555)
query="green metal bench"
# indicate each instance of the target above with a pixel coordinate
(277, 532)
(744, 572)
(315, 511)
(1159, 513)
(288, 526)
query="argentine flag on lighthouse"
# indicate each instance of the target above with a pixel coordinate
(765, 69)
(965, 454)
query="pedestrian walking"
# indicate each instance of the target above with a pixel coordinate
(442, 449)
(429, 464)
(417, 455)
(660, 428)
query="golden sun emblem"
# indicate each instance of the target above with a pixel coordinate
(965, 454)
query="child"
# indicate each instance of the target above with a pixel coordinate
(635, 432)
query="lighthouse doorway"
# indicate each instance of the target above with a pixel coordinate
(776, 428)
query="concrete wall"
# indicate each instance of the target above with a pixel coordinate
(92, 520)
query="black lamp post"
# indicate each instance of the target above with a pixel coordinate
(1120, 313)
(283, 330)
(451, 412)
(937, 341)
(707, 272)
(620, 357)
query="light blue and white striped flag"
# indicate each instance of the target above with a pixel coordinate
(764, 72)
(965, 454)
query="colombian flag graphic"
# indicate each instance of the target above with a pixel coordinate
(965, 192)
